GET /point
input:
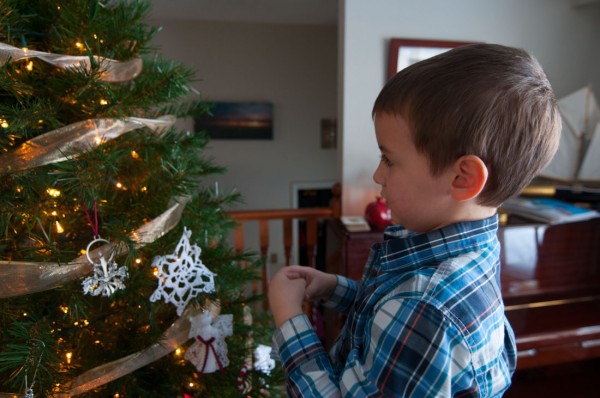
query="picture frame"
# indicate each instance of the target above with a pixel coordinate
(405, 52)
(238, 121)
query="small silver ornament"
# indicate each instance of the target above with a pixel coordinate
(107, 278)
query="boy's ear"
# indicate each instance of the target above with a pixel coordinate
(470, 176)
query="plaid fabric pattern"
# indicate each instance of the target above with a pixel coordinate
(427, 320)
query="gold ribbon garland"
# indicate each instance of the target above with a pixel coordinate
(57, 145)
(20, 277)
(113, 71)
(173, 337)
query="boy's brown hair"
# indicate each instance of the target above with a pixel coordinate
(487, 100)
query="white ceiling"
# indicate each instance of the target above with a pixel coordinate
(302, 12)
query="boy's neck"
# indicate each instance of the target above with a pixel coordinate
(464, 213)
(472, 213)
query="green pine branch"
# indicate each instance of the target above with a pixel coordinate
(132, 179)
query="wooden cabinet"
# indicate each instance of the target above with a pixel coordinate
(347, 252)
(550, 285)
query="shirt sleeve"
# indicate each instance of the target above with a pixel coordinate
(343, 296)
(305, 363)
(411, 351)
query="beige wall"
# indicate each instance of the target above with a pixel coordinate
(292, 66)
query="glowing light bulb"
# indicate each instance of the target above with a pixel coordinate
(103, 102)
(29, 66)
(64, 309)
(155, 272)
(178, 351)
(59, 228)
(78, 45)
(69, 355)
(3, 123)
(191, 385)
(138, 261)
(135, 155)
(55, 193)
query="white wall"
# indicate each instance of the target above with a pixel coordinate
(292, 66)
(564, 39)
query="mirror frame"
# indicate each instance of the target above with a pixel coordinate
(426, 48)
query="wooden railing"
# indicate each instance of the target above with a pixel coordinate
(311, 215)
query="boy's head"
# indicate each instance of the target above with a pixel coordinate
(486, 100)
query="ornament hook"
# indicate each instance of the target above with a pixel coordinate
(29, 388)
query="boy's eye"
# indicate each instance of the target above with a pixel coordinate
(385, 160)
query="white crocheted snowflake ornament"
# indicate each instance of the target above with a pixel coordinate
(182, 275)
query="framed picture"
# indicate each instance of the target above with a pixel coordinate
(405, 52)
(238, 121)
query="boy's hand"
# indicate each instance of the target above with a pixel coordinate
(285, 296)
(319, 285)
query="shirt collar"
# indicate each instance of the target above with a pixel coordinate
(404, 248)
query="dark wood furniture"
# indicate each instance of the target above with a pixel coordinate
(346, 254)
(550, 284)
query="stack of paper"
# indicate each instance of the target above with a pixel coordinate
(355, 224)
(548, 210)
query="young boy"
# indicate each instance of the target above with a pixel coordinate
(459, 133)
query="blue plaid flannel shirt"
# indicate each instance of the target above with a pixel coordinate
(427, 320)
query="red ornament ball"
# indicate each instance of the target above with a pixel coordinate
(378, 215)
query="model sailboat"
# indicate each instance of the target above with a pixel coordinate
(577, 161)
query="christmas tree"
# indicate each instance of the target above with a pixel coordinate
(116, 276)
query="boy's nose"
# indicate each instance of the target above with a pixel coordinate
(377, 177)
